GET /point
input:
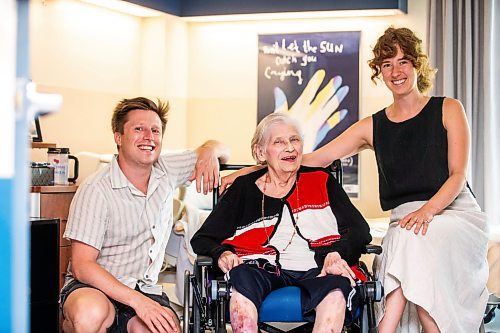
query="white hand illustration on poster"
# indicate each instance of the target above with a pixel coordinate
(315, 110)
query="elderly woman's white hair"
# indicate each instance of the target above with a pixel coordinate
(261, 134)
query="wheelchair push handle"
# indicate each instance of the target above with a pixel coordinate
(224, 167)
(203, 261)
(373, 249)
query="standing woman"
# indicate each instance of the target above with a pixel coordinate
(433, 266)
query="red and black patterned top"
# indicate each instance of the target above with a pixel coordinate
(328, 221)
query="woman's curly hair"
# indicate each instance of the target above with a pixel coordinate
(411, 46)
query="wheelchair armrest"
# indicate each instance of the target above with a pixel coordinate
(203, 261)
(373, 249)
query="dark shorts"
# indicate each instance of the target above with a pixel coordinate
(255, 284)
(123, 312)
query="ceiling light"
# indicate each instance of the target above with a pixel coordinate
(295, 15)
(125, 7)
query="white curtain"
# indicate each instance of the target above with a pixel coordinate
(492, 131)
(463, 44)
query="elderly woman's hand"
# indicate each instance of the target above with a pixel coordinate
(228, 260)
(335, 265)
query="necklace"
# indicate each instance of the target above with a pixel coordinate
(296, 214)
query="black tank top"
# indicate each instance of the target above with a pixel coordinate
(412, 156)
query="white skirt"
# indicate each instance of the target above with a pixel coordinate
(444, 272)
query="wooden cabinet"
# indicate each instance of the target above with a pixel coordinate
(54, 202)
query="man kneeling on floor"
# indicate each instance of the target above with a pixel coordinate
(120, 221)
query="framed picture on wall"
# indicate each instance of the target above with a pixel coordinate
(314, 77)
(35, 130)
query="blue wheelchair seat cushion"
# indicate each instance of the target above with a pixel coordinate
(282, 305)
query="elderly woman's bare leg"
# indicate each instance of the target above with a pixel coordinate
(330, 313)
(394, 307)
(243, 313)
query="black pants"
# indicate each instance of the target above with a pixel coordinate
(256, 283)
(123, 312)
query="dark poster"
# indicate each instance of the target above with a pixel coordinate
(314, 77)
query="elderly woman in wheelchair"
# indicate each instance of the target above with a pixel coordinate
(286, 225)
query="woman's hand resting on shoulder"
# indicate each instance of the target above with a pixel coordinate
(229, 179)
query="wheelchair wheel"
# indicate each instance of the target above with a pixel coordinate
(481, 328)
(191, 312)
(185, 311)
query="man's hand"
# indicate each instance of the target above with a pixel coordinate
(228, 260)
(206, 171)
(157, 318)
(335, 265)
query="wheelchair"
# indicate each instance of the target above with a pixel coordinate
(489, 313)
(206, 295)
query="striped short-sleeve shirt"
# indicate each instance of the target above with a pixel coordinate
(129, 228)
